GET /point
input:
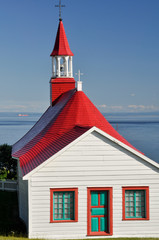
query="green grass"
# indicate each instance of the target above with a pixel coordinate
(21, 238)
(13, 238)
(10, 224)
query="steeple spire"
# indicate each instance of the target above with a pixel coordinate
(61, 47)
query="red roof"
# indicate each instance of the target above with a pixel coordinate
(61, 47)
(71, 116)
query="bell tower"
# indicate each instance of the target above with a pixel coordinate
(62, 67)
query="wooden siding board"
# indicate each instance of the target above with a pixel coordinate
(83, 180)
(97, 173)
(89, 173)
(93, 168)
(54, 170)
(95, 163)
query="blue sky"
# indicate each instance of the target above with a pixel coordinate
(115, 44)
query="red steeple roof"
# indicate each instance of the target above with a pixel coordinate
(61, 46)
(71, 116)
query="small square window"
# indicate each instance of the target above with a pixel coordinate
(135, 203)
(63, 205)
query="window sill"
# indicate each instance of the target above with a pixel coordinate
(100, 234)
(135, 219)
(63, 221)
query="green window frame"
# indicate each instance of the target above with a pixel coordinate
(135, 203)
(64, 205)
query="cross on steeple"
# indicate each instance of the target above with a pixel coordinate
(79, 75)
(60, 6)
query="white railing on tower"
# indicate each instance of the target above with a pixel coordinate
(62, 74)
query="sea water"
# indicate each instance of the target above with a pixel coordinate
(140, 129)
(13, 126)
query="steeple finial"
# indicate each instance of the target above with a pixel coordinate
(60, 6)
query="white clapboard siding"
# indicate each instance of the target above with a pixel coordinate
(92, 162)
(23, 197)
(53, 170)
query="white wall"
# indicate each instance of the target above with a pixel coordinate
(23, 197)
(93, 162)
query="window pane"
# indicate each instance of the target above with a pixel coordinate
(66, 205)
(138, 203)
(138, 214)
(138, 209)
(60, 195)
(56, 210)
(61, 216)
(131, 204)
(60, 210)
(67, 215)
(67, 200)
(127, 209)
(67, 210)
(138, 198)
(72, 205)
(71, 215)
(55, 195)
(60, 205)
(138, 193)
(132, 209)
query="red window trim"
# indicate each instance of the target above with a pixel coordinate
(89, 189)
(147, 202)
(75, 190)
